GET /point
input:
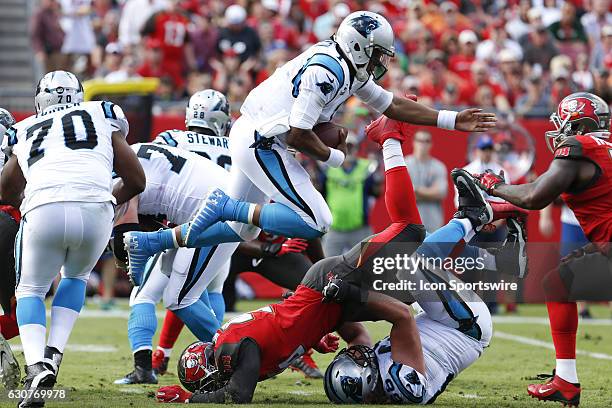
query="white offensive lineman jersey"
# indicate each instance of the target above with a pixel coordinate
(214, 148)
(177, 181)
(66, 152)
(308, 90)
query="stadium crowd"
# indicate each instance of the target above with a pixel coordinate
(518, 57)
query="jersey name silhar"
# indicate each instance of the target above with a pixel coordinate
(66, 152)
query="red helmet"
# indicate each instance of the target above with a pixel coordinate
(578, 114)
(196, 366)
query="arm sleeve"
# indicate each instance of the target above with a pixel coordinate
(375, 96)
(241, 386)
(313, 88)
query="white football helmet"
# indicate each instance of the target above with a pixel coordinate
(367, 40)
(57, 87)
(6, 121)
(352, 376)
(208, 109)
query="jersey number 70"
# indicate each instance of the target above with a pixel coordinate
(70, 140)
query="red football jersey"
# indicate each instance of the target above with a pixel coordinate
(283, 331)
(593, 205)
(171, 32)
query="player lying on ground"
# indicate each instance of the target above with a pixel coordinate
(281, 260)
(9, 225)
(175, 189)
(281, 112)
(581, 173)
(257, 345)
(59, 172)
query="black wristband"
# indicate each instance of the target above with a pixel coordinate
(270, 250)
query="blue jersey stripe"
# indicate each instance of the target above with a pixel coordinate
(323, 60)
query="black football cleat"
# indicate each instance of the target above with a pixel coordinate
(39, 376)
(138, 376)
(511, 257)
(9, 367)
(53, 358)
(472, 202)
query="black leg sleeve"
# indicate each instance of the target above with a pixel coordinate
(242, 384)
(8, 231)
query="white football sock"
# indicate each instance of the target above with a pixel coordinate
(392, 154)
(62, 322)
(167, 351)
(33, 341)
(566, 369)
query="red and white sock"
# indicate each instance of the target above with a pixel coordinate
(563, 318)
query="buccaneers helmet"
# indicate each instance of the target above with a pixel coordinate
(578, 114)
(196, 367)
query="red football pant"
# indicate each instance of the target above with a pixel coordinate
(563, 318)
(170, 330)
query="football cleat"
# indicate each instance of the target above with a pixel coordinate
(307, 366)
(138, 376)
(159, 362)
(53, 358)
(472, 202)
(39, 376)
(139, 249)
(511, 257)
(556, 389)
(9, 367)
(209, 213)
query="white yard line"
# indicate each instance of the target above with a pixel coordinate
(89, 348)
(545, 344)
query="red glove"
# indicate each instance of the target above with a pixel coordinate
(488, 180)
(295, 245)
(172, 393)
(328, 344)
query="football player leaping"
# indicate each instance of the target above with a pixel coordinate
(63, 157)
(281, 112)
(262, 343)
(581, 173)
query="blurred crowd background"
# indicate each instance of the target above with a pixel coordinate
(517, 57)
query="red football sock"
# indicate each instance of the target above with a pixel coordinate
(399, 196)
(8, 326)
(170, 330)
(563, 318)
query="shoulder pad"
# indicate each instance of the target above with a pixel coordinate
(569, 148)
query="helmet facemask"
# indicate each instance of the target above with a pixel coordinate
(379, 61)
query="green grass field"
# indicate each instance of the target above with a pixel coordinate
(520, 349)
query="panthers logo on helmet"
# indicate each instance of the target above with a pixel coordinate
(352, 387)
(365, 25)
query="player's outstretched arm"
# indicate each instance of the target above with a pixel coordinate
(127, 166)
(13, 183)
(538, 194)
(468, 120)
(405, 340)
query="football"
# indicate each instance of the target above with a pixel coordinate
(330, 134)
